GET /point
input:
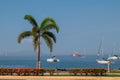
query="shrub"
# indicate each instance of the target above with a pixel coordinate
(39, 71)
(50, 71)
(74, 71)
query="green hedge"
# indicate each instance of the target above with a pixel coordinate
(34, 71)
(87, 71)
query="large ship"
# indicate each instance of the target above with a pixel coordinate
(77, 54)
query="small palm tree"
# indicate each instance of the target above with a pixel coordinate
(40, 31)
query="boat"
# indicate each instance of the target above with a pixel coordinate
(101, 60)
(75, 54)
(114, 57)
(53, 59)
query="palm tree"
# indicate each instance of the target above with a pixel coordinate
(40, 31)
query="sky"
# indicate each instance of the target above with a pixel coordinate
(82, 23)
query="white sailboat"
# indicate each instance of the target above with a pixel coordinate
(113, 57)
(101, 60)
(53, 59)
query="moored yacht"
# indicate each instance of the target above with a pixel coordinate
(53, 59)
(102, 61)
(114, 57)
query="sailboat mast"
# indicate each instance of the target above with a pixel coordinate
(100, 51)
(113, 51)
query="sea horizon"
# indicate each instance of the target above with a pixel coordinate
(66, 61)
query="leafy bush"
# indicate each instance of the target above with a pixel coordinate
(74, 71)
(50, 71)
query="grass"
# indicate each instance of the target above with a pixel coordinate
(111, 74)
(115, 71)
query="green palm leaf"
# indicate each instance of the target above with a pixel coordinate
(23, 35)
(50, 26)
(31, 20)
(48, 41)
(51, 35)
(49, 23)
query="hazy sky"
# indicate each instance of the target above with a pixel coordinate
(82, 25)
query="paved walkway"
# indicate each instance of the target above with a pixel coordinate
(57, 78)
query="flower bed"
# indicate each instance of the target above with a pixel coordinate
(21, 71)
(35, 71)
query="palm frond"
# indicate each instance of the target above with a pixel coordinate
(50, 34)
(48, 41)
(35, 32)
(31, 20)
(49, 22)
(23, 35)
(50, 26)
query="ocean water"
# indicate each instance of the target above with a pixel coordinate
(66, 61)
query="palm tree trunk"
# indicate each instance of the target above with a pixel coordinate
(38, 64)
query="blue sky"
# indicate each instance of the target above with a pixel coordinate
(82, 25)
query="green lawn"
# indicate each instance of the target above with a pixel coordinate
(114, 73)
